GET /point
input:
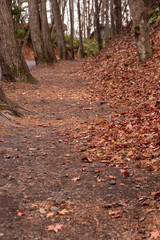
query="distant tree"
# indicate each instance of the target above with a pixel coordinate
(118, 15)
(113, 27)
(59, 31)
(97, 24)
(13, 65)
(139, 15)
(80, 30)
(36, 35)
(71, 10)
(46, 34)
(40, 33)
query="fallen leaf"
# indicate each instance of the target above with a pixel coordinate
(67, 155)
(112, 177)
(63, 212)
(21, 213)
(86, 159)
(155, 234)
(96, 170)
(125, 173)
(125, 166)
(75, 179)
(156, 194)
(100, 180)
(54, 228)
(122, 184)
(50, 215)
(117, 215)
(2, 140)
(83, 169)
(146, 203)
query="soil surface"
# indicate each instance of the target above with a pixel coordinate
(49, 187)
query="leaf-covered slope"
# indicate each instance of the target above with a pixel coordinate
(120, 80)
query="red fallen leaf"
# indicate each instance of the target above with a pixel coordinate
(85, 159)
(68, 175)
(112, 177)
(64, 163)
(156, 195)
(83, 169)
(146, 203)
(126, 174)
(125, 166)
(43, 125)
(117, 215)
(2, 140)
(21, 213)
(80, 106)
(139, 165)
(98, 170)
(54, 228)
(110, 165)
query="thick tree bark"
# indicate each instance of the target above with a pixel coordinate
(13, 65)
(59, 31)
(46, 34)
(36, 35)
(80, 31)
(141, 29)
(6, 104)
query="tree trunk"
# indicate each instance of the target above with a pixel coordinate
(46, 34)
(84, 18)
(98, 33)
(72, 27)
(141, 29)
(107, 21)
(36, 35)
(80, 31)
(13, 65)
(59, 32)
(6, 104)
(112, 20)
(118, 15)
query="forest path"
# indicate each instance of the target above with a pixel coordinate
(46, 174)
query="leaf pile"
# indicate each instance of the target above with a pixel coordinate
(121, 82)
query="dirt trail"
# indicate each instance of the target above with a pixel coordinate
(42, 173)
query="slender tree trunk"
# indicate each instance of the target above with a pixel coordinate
(72, 26)
(98, 33)
(59, 32)
(80, 30)
(141, 29)
(36, 35)
(13, 65)
(112, 19)
(63, 10)
(46, 34)
(84, 18)
(107, 21)
(118, 15)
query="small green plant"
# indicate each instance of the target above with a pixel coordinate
(154, 16)
(90, 47)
